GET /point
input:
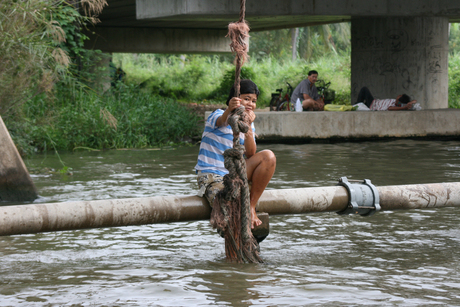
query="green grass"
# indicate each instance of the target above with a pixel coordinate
(125, 117)
(196, 78)
(184, 78)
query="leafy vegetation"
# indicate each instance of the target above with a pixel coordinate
(454, 80)
(184, 77)
(454, 66)
(124, 117)
(168, 76)
(308, 43)
(30, 62)
(51, 92)
(208, 78)
(454, 38)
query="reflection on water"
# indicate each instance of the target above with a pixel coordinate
(408, 258)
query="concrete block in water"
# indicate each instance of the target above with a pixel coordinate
(15, 181)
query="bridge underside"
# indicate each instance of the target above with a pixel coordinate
(264, 14)
(398, 46)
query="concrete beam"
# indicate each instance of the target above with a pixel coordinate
(15, 181)
(208, 9)
(154, 40)
(307, 126)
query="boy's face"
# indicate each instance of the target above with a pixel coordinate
(248, 101)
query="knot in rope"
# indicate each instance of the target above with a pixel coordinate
(239, 121)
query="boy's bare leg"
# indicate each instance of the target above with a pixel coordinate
(260, 169)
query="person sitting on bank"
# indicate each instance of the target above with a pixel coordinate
(402, 102)
(307, 92)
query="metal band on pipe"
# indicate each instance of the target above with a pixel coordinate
(363, 197)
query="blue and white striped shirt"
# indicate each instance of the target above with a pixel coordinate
(214, 141)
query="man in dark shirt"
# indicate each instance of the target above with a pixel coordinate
(307, 92)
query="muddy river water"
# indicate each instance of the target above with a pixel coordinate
(401, 258)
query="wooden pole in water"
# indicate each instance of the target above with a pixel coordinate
(15, 181)
(37, 218)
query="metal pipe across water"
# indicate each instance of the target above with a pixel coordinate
(35, 218)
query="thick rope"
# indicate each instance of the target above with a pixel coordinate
(231, 213)
(238, 33)
(231, 208)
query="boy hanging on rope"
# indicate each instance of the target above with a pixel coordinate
(218, 136)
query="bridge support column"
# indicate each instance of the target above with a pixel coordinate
(397, 55)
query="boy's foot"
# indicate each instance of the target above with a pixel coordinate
(255, 220)
(261, 232)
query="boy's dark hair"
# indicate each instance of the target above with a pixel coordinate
(404, 98)
(312, 72)
(246, 87)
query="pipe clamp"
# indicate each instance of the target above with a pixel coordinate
(363, 197)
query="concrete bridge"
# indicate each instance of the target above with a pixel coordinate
(398, 46)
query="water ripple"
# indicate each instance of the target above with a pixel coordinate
(392, 258)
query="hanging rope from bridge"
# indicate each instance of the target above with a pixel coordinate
(231, 208)
(238, 33)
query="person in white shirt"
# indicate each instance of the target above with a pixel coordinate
(402, 102)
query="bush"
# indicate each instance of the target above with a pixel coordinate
(30, 62)
(222, 91)
(184, 77)
(124, 117)
(454, 80)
